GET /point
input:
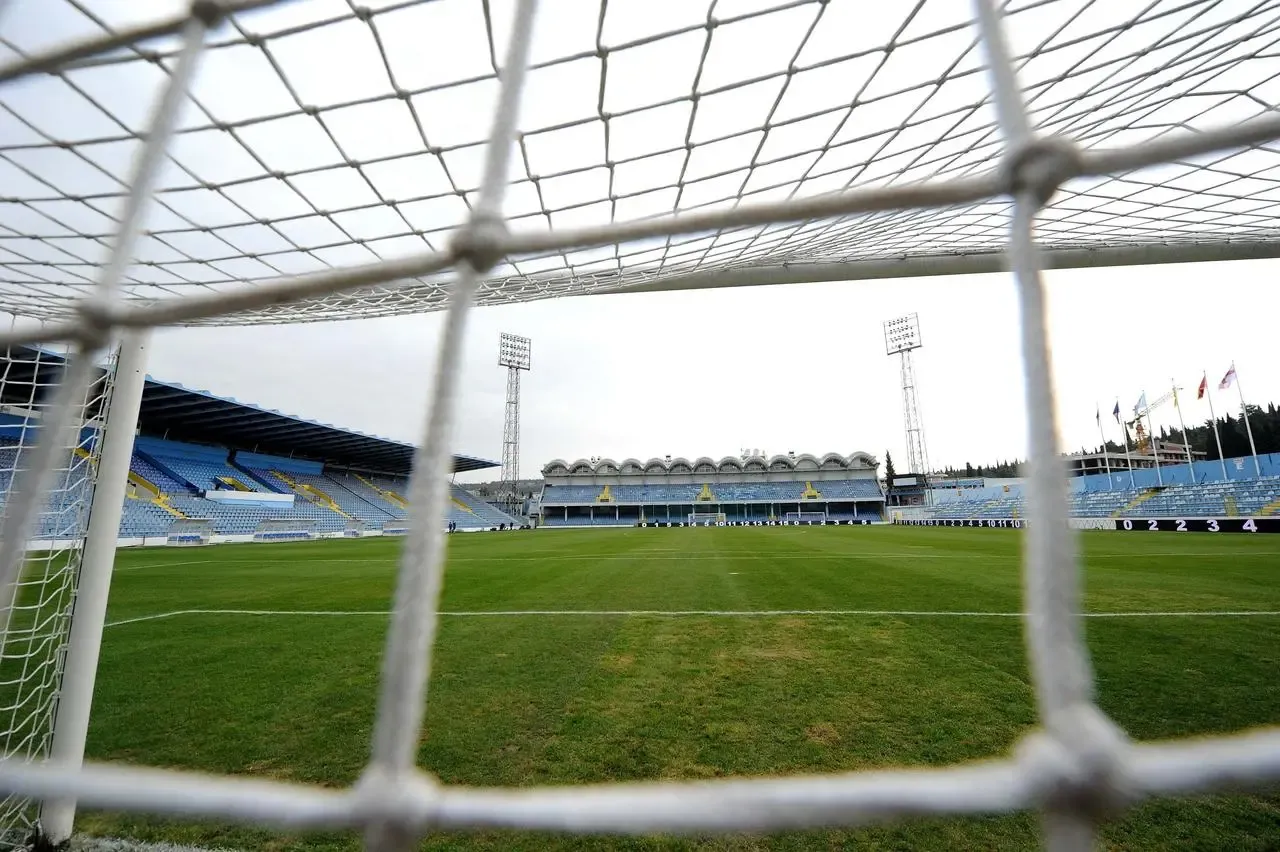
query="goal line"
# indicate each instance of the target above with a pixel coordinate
(693, 613)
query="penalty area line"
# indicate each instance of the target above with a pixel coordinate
(696, 613)
(163, 565)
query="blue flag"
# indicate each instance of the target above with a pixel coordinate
(1116, 413)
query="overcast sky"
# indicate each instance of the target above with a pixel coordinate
(333, 141)
(795, 367)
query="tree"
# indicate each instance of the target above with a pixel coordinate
(968, 470)
(888, 469)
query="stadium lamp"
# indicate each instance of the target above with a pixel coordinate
(514, 351)
(902, 334)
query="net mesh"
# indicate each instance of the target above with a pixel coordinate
(630, 112)
(31, 653)
(797, 140)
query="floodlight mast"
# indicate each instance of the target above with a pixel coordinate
(514, 353)
(901, 338)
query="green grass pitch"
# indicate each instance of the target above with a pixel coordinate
(597, 695)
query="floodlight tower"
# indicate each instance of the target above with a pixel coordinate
(901, 338)
(514, 354)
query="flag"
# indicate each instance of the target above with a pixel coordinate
(1116, 413)
(1097, 415)
(1204, 386)
(1140, 405)
(1175, 399)
(1228, 378)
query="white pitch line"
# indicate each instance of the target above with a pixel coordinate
(166, 565)
(706, 613)
(177, 612)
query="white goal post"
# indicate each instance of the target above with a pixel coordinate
(355, 528)
(189, 532)
(842, 151)
(805, 517)
(285, 529)
(707, 519)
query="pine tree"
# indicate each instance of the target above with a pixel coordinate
(889, 472)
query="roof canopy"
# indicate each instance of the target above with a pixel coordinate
(174, 411)
(856, 460)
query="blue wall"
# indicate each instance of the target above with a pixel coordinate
(262, 460)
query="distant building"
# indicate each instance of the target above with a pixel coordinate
(1168, 453)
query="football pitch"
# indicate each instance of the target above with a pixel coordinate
(609, 655)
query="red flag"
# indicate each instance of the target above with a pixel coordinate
(1204, 386)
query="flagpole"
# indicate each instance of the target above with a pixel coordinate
(1186, 442)
(1213, 418)
(1244, 412)
(1106, 459)
(1124, 434)
(1151, 439)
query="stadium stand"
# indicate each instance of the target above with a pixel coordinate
(186, 464)
(604, 493)
(1206, 499)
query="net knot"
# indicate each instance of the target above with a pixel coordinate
(95, 323)
(1041, 166)
(481, 243)
(208, 12)
(399, 802)
(1080, 766)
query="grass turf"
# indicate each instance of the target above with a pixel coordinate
(541, 699)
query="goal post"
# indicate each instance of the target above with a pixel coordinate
(285, 529)
(708, 519)
(355, 528)
(53, 633)
(190, 532)
(803, 517)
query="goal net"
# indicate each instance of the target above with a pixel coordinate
(48, 546)
(395, 526)
(355, 528)
(629, 149)
(285, 529)
(805, 517)
(189, 532)
(706, 519)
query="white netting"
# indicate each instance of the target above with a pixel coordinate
(707, 518)
(289, 163)
(911, 119)
(31, 656)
